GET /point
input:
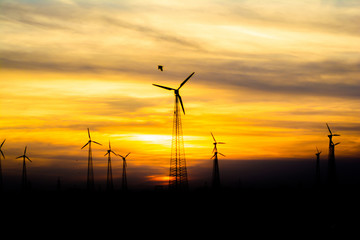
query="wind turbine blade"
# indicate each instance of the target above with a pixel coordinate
(182, 106)
(25, 150)
(329, 128)
(213, 156)
(106, 154)
(113, 152)
(2, 143)
(85, 144)
(19, 157)
(317, 149)
(127, 155)
(213, 136)
(222, 154)
(221, 143)
(186, 80)
(336, 134)
(28, 158)
(96, 143)
(2, 154)
(120, 155)
(163, 87)
(320, 152)
(109, 145)
(336, 143)
(89, 133)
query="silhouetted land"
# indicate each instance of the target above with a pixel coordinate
(236, 209)
(207, 212)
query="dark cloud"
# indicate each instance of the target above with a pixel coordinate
(153, 33)
(275, 77)
(50, 64)
(288, 78)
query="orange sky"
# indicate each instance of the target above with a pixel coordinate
(268, 76)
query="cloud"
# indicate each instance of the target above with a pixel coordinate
(151, 32)
(275, 73)
(328, 16)
(288, 78)
(274, 77)
(77, 18)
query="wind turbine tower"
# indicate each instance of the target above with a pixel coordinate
(24, 182)
(178, 180)
(332, 178)
(109, 178)
(318, 178)
(90, 172)
(2, 154)
(124, 179)
(216, 172)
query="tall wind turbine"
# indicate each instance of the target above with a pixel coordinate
(216, 172)
(109, 178)
(2, 154)
(318, 178)
(90, 172)
(178, 174)
(124, 179)
(331, 159)
(24, 182)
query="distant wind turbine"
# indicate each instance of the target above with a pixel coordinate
(332, 178)
(318, 178)
(109, 178)
(2, 154)
(90, 173)
(24, 182)
(216, 172)
(178, 173)
(124, 179)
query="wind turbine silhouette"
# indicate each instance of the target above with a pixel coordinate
(2, 154)
(24, 182)
(318, 178)
(124, 179)
(90, 172)
(216, 172)
(109, 178)
(178, 173)
(332, 178)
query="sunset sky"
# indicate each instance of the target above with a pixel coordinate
(268, 75)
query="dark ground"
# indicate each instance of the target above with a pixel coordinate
(278, 199)
(202, 212)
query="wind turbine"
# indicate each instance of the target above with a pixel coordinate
(109, 178)
(90, 172)
(178, 173)
(2, 154)
(24, 182)
(124, 180)
(216, 172)
(318, 166)
(331, 158)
